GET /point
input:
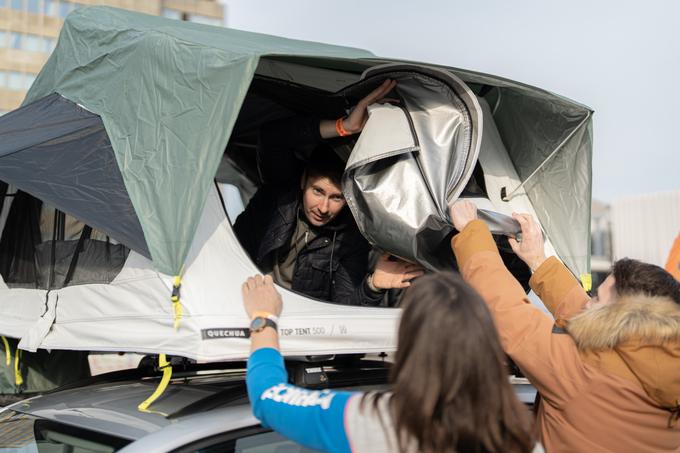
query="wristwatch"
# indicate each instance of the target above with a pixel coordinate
(262, 320)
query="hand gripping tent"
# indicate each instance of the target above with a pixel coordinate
(116, 237)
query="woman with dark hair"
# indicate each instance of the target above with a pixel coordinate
(449, 384)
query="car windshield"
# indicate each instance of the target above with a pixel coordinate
(25, 433)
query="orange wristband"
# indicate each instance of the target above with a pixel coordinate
(340, 128)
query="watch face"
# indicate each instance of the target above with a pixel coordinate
(258, 324)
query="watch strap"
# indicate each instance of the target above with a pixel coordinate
(267, 323)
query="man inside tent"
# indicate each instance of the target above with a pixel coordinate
(297, 226)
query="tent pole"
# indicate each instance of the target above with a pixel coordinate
(498, 101)
(508, 196)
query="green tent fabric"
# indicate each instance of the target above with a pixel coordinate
(168, 93)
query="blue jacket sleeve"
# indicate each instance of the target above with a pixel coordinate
(312, 418)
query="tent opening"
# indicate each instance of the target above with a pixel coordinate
(270, 100)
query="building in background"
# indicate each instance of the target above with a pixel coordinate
(643, 227)
(29, 31)
(601, 242)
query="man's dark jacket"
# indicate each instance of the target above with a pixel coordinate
(333, 266)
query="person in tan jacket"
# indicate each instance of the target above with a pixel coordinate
(608, 368)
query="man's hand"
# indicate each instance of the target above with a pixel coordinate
(394, 274)
(530, 249)
(259, 294)
(355, 121)
(462, 212)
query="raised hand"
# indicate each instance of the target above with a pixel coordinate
(531, 249)
(355, 121)
(462, 212)
(259, 294)
(394, 274)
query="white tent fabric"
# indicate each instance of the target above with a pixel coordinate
(134, 311)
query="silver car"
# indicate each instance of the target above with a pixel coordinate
(205, 408)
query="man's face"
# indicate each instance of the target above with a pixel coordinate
(605, 292)
(322, 199)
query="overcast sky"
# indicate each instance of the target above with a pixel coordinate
(621, 58)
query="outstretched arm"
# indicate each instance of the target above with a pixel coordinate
(550, 361)
(280, 140)
(560, 292)
(551, 280)
(356, 120)
(313, 418)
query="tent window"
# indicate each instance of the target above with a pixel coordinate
(43, 248)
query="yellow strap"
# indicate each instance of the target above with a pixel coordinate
(167, 373)
(8, 352)
(18, 379)
(177, 306)
(587, 281)
(176, 303)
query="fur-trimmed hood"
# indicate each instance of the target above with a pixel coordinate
(645, 332)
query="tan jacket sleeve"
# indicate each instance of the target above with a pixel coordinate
(550, 361)
(559, 290)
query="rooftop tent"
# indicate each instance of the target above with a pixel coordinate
(126, 125)
(155, 102)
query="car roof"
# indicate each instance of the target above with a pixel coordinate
(112, 407)
(195, 398)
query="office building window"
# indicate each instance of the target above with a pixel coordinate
(50, 44)
(33, 6)
(50, 7)
(171, 14)
(205, 20)
(28, 80)
(33, 43)
(29, 43)
(65, 8)
(15, 80)
(17, 4)
(15, 40)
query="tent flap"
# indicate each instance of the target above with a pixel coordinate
(411, 161)
(60, 153)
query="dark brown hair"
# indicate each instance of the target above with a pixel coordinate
(633, 277)
(450, 387)
(325, 162)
